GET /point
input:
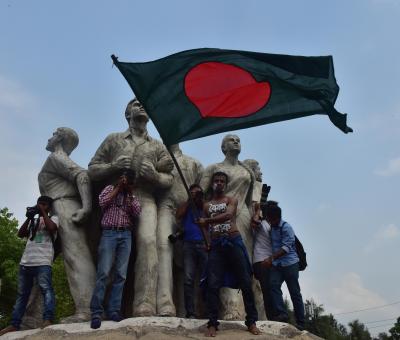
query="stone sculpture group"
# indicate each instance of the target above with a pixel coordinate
(154, 286)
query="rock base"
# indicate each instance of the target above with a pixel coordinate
(156, 328)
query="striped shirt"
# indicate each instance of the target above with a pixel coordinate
(40, 251)
(118, 212)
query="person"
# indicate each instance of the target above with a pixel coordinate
(69, 185)
(227, 251)
(284, 264)
(167, 202)
(262, 251)
(120, 208)
(135, 149)
(194, 246)
(241, 184)
(36, 262)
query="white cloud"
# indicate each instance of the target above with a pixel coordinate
(13, 98)
(391, 169)
(383, 236)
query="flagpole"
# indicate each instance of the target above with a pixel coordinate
(191, 201)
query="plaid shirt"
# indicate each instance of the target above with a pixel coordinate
(116, 212)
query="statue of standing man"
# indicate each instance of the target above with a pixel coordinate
(135, 149)
(69, 185)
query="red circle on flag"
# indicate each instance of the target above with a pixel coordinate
(225, 90)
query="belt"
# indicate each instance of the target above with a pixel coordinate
(118, 228)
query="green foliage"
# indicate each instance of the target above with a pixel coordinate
(395, 330)
(358, 331)
(11, 249)
(324, 326)
(64, 302)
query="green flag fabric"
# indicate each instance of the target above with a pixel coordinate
(201, 92)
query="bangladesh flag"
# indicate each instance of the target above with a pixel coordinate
(201, 92)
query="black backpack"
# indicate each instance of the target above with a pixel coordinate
(300, 252)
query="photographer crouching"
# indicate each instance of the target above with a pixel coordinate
(36, 262)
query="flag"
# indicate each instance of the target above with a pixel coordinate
(201, 92)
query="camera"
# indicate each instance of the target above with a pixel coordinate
(32, 211)
(264, 193)
(175, 237)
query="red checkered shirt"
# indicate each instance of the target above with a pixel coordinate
(116, 212)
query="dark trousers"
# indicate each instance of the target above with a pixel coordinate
(262, 274)
(290, 275)
(229, 256)
(194, 261)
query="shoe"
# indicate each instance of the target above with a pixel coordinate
(190, 316)
(116, 317)
(8, 329)
(46, 323)
(300, 327)
(95, 323)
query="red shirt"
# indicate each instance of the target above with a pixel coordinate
(118, 212)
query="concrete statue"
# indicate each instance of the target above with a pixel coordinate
(150, 160)
(69, 185)
(168, 201)
(240, 185)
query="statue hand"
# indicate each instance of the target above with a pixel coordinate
(122, 162)
(79, 215)
(166, 165)
(147, 170)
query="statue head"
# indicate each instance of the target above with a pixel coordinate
(255, 167)
(135, 115)
(231, 144)
(65, 137)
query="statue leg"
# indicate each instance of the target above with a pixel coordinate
(165, 304)
(146, 268)
(78, 262)
(243, 222)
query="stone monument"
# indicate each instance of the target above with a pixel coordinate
(150, 160)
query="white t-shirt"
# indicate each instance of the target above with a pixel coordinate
(262, 242)
(40, 251)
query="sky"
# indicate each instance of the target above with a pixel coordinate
(338, 191)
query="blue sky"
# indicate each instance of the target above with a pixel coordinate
(340, 192)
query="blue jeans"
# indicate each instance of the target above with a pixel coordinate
(26, 276)
(223, 255)
(290, 275)
(113, 245)
(194, 261)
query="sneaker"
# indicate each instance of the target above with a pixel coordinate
(95, 323)
(281, 318)
(116, 317)
(8, 329)
(300, 327)
(190, 316)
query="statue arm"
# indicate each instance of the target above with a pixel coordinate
(84, 188)
(101, 165)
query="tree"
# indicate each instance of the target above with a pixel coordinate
(11, 248)
(358, 331)
(395, 330)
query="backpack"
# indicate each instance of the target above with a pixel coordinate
(300, 252)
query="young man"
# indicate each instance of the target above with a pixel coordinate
(227, 251)
(120, 209)
(36, 262)
(194, 246)
(261, 252)
(284, 264)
